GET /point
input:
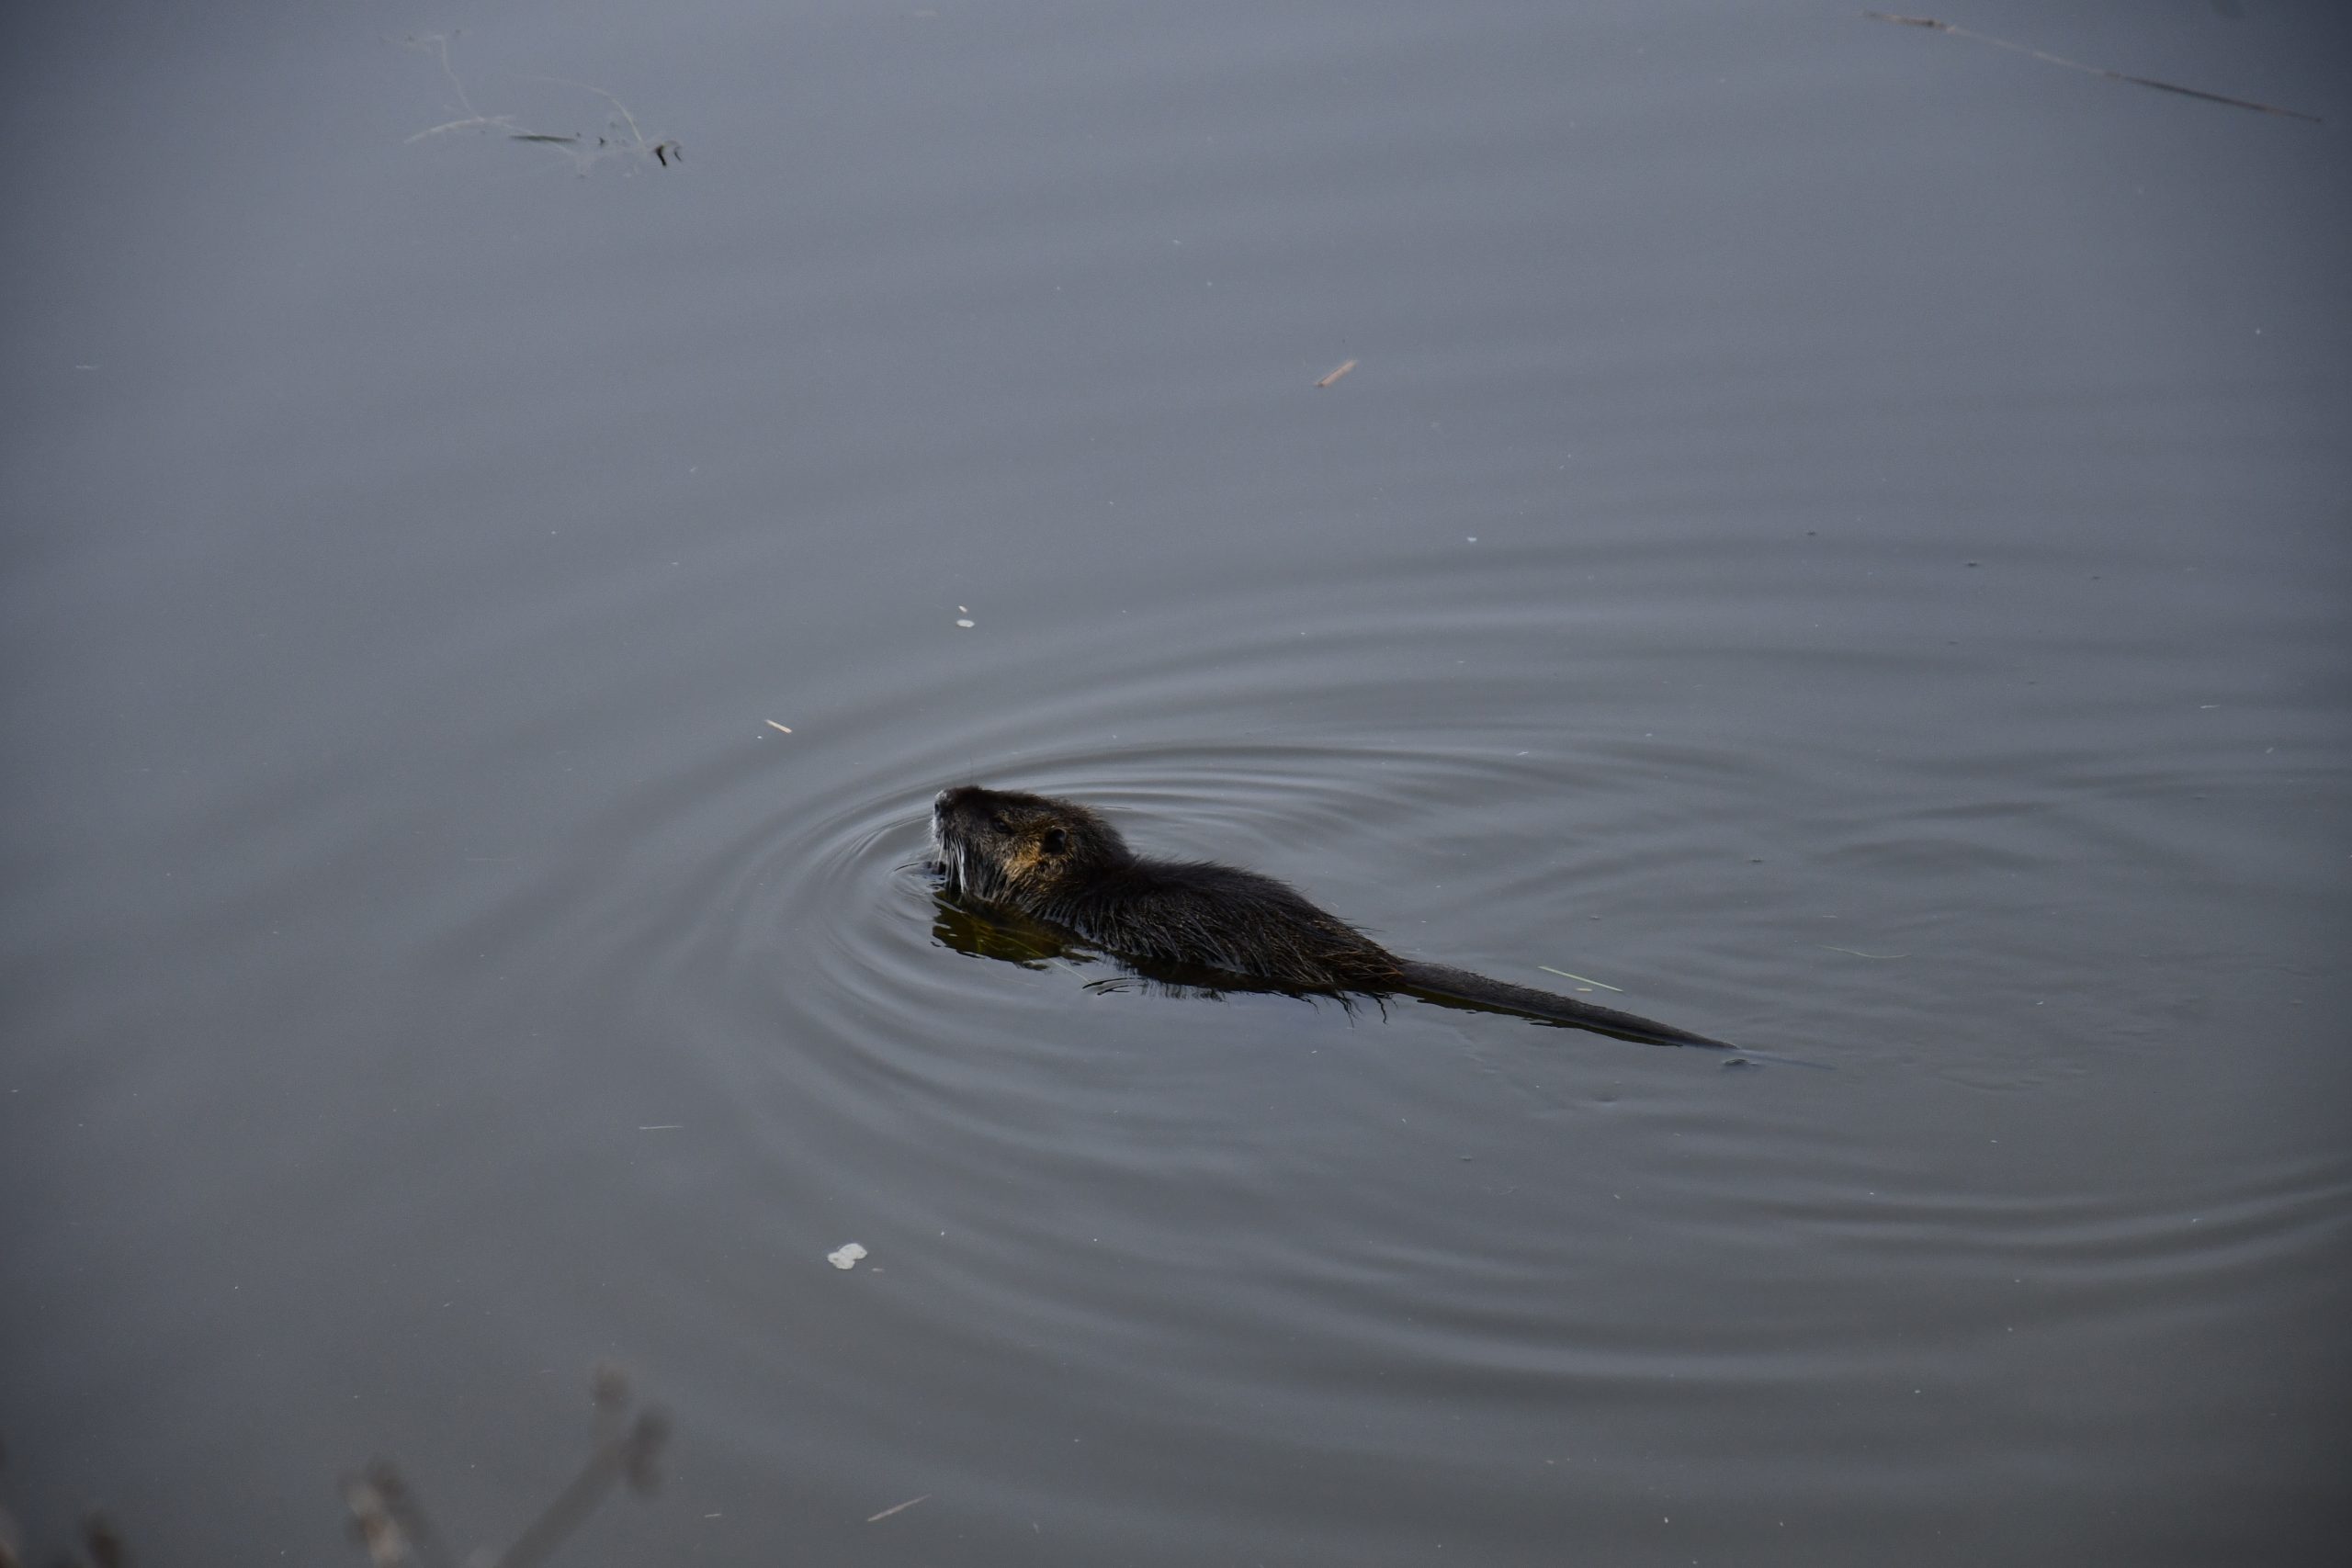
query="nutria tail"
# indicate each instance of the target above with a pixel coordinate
(1444, 982)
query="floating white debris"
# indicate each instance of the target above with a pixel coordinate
(963, 623)
(774, 725)
(845, 1257)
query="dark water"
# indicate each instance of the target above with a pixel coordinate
(1836, 531)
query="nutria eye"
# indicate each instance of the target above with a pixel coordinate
(1054, 840)
(997, 821)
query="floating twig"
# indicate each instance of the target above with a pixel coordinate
(475, 120)
(896, 1508)
(1932, 25)
(479, 122)
(665, 152)
(1335, 374)
(774, 725)
(1857, 953)
(587, 87)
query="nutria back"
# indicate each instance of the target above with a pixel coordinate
(1059, 861)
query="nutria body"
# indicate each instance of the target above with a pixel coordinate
(1057, 862)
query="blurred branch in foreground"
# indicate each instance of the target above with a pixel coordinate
(101, 1543)
(393, 1527)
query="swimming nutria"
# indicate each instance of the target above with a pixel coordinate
(1056, 861)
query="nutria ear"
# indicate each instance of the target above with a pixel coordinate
(1054, 840)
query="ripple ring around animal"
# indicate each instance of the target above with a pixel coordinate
(1060, 863)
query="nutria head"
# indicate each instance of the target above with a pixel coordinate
(1005, 847)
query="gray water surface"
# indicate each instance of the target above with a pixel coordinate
(1835, 531)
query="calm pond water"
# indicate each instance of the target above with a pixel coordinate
(1835, 531)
